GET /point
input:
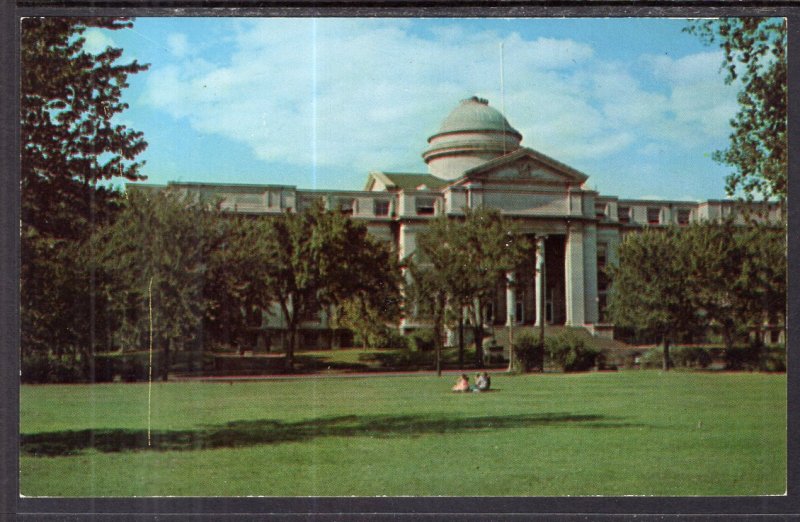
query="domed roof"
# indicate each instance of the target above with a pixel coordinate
(472, 134)
(474, 114)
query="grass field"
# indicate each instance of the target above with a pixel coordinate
(623, 433)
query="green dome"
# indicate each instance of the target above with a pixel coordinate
(474, 114)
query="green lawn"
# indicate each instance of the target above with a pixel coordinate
(635, 432)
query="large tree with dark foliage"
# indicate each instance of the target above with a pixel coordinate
(70, 143)
(736, 276)
(155, 260)
(460, 264)
(69, 139)
(650, 292)
(755, 56)
(673, 283)
(317, 259)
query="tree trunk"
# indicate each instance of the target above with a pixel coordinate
(461, 342)
(165, 361)
(511, 363)
(292, 326)
(540, 362)
(331, 330)
(438, 325)
(290, 348)
(727, 337)
(666, 364)
(477, 333)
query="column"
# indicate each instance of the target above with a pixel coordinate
(573, 275)
(511, 298)
(540, 278)
(590, 273)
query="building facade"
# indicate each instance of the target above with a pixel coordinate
(476, 159)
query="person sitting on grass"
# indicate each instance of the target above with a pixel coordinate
(483, 382)
(462, 384)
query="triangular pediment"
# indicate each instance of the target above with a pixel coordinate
(526, 166)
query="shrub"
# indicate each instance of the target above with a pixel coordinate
(742, 358)
(421, 340)
(49, 368)
(755, 357)
(399, 359)
(394, 340)
(528, 352)
(679, 357)
(690, 357)
(569, 351)
(773, 359)
(131, 367)
(653, 358)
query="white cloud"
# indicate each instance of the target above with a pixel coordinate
(365, 94)
(96, 40)
(178, 44)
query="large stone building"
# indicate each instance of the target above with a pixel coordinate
(475, 159)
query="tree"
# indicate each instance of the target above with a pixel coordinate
(763, 274)
(317, 259)
(236, 281)
(428, 290)
(713, 274)
(678, 282)
(755, 55)
(649, 289)
(69, 143)
(155, 257)
(371, 309)
(493, 246)
(736, 275)
(435, 275)
(468, 259)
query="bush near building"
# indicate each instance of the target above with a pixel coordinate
(751, 357)
(529, 352)
(570, 352)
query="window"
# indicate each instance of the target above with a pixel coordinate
(602, 308)
(380, 207)
(600, 210)
(624, 214)
(683, 216)
(653, 215)
(305, 204)
(602, 277)
(346, 206)
(426, 206)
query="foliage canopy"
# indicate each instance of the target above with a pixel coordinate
(755, 56)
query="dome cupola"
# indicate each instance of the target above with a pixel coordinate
(472, 134)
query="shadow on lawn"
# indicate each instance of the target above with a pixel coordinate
(254, 432)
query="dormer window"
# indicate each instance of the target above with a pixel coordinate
(380, 207)
(426, 206)
(624, 214)
(600, 210)
(683, 216)
(653, 215)
(346, 206)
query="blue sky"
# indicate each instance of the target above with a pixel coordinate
(636, 104)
